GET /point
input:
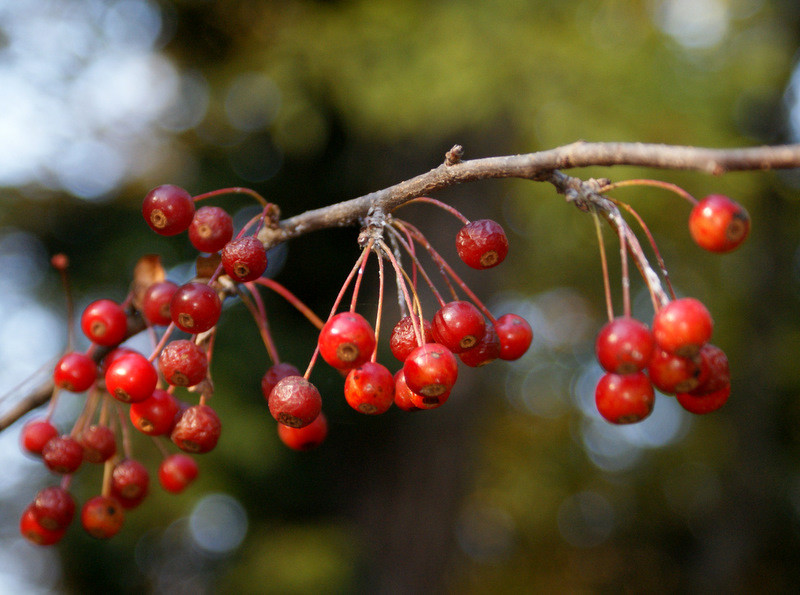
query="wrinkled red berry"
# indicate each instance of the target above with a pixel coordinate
(197, 430)
(244, 259)
(54, 507)
(211, 229)
(403, 339)
(274, 374)
(99, 443)
(183, 363)
(63, 454)
(130, 482)
(294, 402)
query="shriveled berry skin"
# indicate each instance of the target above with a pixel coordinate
(54, 508)
(75, 372)
(155, 303)
(104, 322)
(195, 308)
(168, 209)
(294, 402)
(719, 224)
(35, 434)
(244, 259)
(32, 530)
(715, 371)
(515, 336)
(682, 327)
(484, 351)
(624, 345)
(176, 472)
(672, 373)
(102, 517)
(369, 388)
(624, 398)
(482, 244)
(99, 444)
(183, 363)
(274, 374)
(431, 370)
(155, 416)
(130, 482)
(211, 229)
(458, 326)
(197, 430)
(403, 340)
(346, 340)
(305, 438)
(62, 454)
(131, 378)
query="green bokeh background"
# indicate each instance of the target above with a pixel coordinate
(484, 494)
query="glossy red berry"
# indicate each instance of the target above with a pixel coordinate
(274, 374)
(168, 209)
(672, 373)
(705, 403)
(131, 378)
(244, 259)
(718, 223)
(305, 438)
(54, 508)
(431, 371)
(403, 394)
(156, 300)
(482, 244)
(176, 472)
(515, 336)
(294, 402)
(369, 388)
(130, 482)
(195, 308)
(62, 454)
(34, 532)
(99, 444)
(35, 434)
(197, 430)
(346, 340)
(183, 363)
(104, 322)
(624, 345)
(75, 372)
(624, 398)
(484, 351)
(458, 326)
(682, 327)
(102, 517)
(211, 229)
(403, 339)
(155, 416)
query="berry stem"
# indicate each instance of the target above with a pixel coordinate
(403, 288)
(626, 279)
(123, 427)
(234, 190)
(604, 266)
(259, 314)
(452, 210)
(409, 248)
(360, 276)
(647, 182)
(292, 299)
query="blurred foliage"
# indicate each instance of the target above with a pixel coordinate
(312, 102)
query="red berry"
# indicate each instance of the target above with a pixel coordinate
(671, 373)
(131, 378)
(706, 403)
(624, 345)
(403, 340)
(129, 483)
(294, 402)
(75, 372)
(195, 308)
(63, 454)
(99, 443)
(155, 416)
(403, 394)
(305, 438)
(515, 336)
(484, 351)
(458, 326)
(431, 371)
(718, 223)
(346, 341)
(104, 322)
(34, 532)
(211, 229)
(482, 244)
(274, 374)
(369, 388)
(155, 303)
(176, 472)
(35, 434)
(168, 209)
(244, 259)
(715, 371)
(102, 517)
(624, 398)
(53, 507)
(197, 430)
(682, 327)
(183, 363)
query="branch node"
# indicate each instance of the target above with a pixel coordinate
(454, 155)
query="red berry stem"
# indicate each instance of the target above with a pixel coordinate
(401, 284)
(626, 279)
(360, 276)
(124, 430)
(647, 182)
(409, 248)
(259, 314)
(292, 299)
(604, 265)
(452, 210)
(61, 263)
(233, 190)
(378, 316)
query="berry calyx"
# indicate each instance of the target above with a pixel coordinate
(155, 416)
(431, 371)
(458, 326)
(369, 388)
(403, 340)
(176, 472)
(197, 430)
(484, 351)
(346, 340)
(482, 244)
(168, 209)
(35, 434)
(244, 259)
(195, 308)
(682, 327)
(624, 398)
(211, 228)
(155, 303)
(294, 402)
(183, 363)
(719, 224)
(99, 443)
(104, 322)
(102, 517)
(306, 438)
(62, 454)
(75, 372)
(624, 345)
(515, 336)
(131, 378)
